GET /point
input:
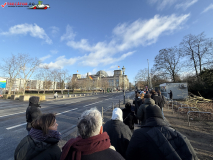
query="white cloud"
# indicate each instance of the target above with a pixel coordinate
(61, 62)
(208, 8)
(54, 29)
(34, 30)
(45, 57)
(161, 4)
(186, 4)
(54, 51)
(69, 35)
(114, 66)
(126, 37)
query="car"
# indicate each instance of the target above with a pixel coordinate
(42, 6)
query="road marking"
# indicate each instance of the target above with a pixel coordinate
(67, 111)
(12, 114)
(16, 126)
(26, 123)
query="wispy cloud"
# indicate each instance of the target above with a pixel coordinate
(208, 8)
(54, 51)
(54, 29)
(161, 4)
(69, 35)
(114, 66)
(33, 30)
(45, 57)
(126, 37)
(186, 4)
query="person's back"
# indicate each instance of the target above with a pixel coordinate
(158, 100)
(119, 133)
(157, 141)
(32, 111)
(92, 143)
(40, 144)
(129, 117)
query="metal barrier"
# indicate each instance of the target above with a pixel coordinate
(186, 107)
(196, 112)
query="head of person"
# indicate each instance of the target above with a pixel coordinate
(153, 111)
(128, 105)
(138, 93)
(117, 114)
(142, 95)
(147, 96)
(159, 93)
(45, 122)
(34, 101)
(90, 123)
(153, 91)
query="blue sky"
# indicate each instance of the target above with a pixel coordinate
(94, 35)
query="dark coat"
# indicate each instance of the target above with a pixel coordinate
(107, 154)
(119, 134)
(157, 141)
(137, 103)
(158, 100)
(142, 110)
(129, 118)
(170, 94)
(32, 113)
(31, 149)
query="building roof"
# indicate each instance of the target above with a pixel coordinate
(102, 73)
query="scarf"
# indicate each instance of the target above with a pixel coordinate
(38, 134)
(76, 147)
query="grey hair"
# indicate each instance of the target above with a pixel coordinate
(90, 123)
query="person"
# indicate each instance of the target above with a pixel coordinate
(92, 143)
(56, 95)
(118, 132)
(129, 117)
(42, 141)
(32, 111)
(156, 140)
(138, 101)
(163, 100)
(142, 109)
(158, 100)
(170, 94)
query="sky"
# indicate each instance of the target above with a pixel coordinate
(93, 35)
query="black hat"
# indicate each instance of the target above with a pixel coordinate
(153, 111)
(34, 100)
(147, 95)
(128, 105)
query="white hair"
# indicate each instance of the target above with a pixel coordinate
(90, 123)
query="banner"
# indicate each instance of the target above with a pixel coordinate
(2, 83)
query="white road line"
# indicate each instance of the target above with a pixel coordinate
(26, 123)
(16, 126)
(12, 114)
(66, 111)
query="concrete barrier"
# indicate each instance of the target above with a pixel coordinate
(74, 95)
(63, 96)
(24, 98)
(15, 97)
(42, 97)
(6, 96)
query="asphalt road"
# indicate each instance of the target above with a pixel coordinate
(13, 120)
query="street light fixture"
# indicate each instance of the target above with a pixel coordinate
(123, 69)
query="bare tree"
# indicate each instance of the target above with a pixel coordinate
(142, 78)
(11, 67)
(28, 66)
(44, 75)
(105, 83)
(168, 62)
(198, 49)
(73, 83)
(54, 76)
(63, 76)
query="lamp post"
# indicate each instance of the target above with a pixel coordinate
(123, 69)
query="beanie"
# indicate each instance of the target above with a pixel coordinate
(153, 111)
(128, 105)
(34, 100)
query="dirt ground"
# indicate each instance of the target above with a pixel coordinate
(200, 133)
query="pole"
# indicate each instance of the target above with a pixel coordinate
(124, 90)
(148, 75)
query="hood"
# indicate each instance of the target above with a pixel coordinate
(149, 101)
(117, 114)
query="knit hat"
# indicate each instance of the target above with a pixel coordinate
(34, 100)
(117, 114)
(128, 105)
(147, 95)
(153, 111)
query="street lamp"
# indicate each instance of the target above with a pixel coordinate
(123, 69)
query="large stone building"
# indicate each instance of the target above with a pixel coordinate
(101, 80)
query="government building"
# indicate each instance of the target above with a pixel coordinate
(101, 80)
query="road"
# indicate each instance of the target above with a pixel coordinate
(13, 120)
